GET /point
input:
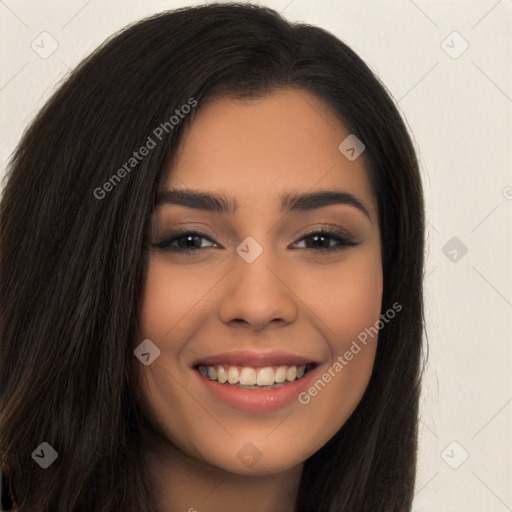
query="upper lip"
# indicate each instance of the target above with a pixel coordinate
(255, 359)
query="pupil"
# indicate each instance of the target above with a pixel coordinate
(315, 238)
(188, 239)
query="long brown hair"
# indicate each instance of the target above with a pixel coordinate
(72, 265)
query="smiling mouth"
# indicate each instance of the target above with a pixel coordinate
(245, 377)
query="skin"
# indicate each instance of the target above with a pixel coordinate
(291, 298)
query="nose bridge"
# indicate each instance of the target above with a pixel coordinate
(254, 263)
(257, 293)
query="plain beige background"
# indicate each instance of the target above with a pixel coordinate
(447, 64)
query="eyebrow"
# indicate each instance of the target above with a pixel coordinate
(220, 203)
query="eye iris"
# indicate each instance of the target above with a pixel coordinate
(316, 239)
(195, 244)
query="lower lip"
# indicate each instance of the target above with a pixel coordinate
(255, 400)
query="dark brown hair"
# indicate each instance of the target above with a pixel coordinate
(72, 266)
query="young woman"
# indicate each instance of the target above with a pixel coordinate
(211, 262)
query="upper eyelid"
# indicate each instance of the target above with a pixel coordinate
(179, 230)
(332, 231)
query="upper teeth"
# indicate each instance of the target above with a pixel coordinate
(248, 376)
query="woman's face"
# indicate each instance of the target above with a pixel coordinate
(255, 298)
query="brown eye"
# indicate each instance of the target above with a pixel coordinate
(187, 241)
(320, 241)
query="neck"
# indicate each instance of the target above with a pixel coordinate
(182, 483)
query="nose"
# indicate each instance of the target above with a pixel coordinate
(259, 294)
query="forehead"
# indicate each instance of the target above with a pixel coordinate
(260, 148)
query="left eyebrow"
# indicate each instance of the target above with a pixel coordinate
(220, 203)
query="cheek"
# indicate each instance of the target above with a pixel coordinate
(167, 318)
(349, 305)
(356, 300)
(170, 294)
(347, 297)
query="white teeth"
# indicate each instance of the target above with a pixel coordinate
(248, 377)
(291, 373)
(265, 377)
(222, 376)
(233, 375)
(281, 374)
(251, 377)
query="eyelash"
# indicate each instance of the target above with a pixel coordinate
(341, 237)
